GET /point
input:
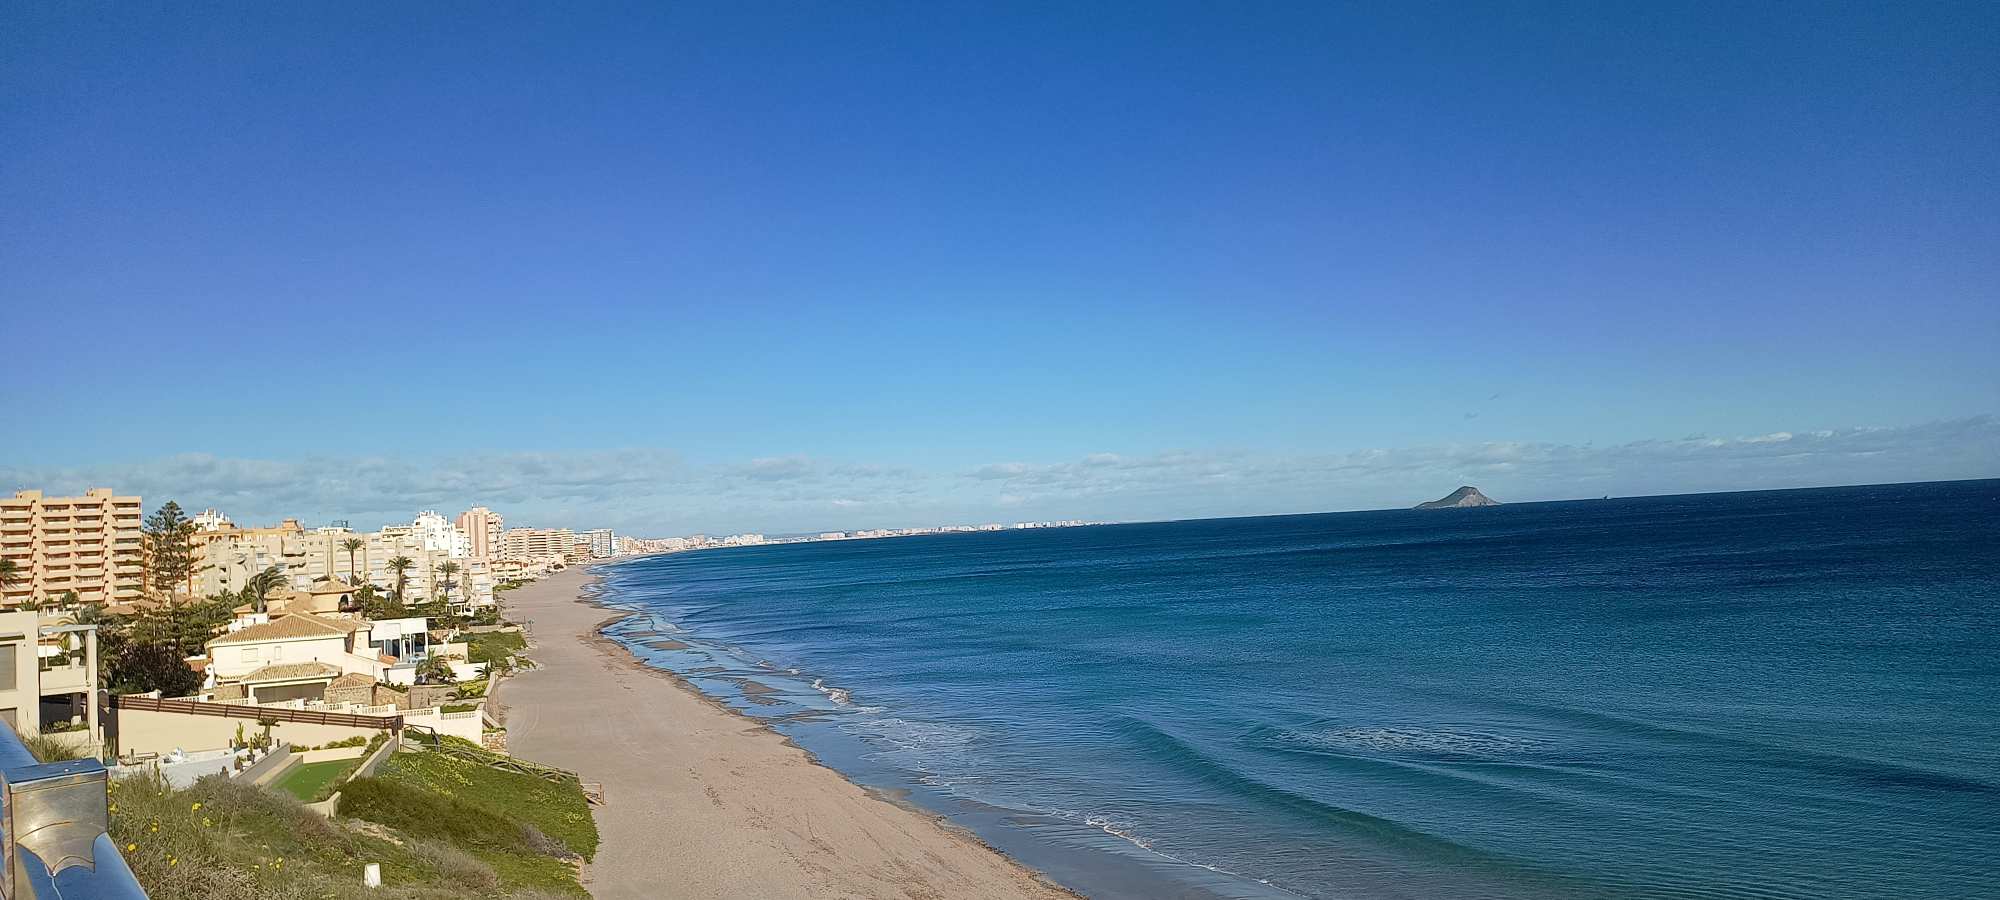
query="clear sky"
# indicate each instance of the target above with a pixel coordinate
(803, 265)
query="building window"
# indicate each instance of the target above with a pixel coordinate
(8, 658)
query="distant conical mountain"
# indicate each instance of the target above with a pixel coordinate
(1466, 495)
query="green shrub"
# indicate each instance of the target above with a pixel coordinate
(48, 748)
(493, 646)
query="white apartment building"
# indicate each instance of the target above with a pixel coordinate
(441, 535)
(603, 544)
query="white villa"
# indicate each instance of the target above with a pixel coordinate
(296, 655)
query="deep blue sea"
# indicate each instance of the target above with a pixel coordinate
(1775, 694)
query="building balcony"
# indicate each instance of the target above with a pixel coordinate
(65, 679)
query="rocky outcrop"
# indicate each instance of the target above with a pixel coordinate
(1463, 497)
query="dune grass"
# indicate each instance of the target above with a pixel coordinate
(225, 840)
(518, 854)
(558, 810)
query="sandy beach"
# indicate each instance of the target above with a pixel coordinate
(704, 802)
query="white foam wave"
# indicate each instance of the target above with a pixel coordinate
(1125, 832)
(931, 750)
(838, 696)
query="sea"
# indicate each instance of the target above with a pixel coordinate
(1783, 694)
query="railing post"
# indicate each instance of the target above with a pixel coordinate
(53, 823)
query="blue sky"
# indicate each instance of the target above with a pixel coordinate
(787, 266)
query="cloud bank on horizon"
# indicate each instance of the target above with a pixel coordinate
(651, 492)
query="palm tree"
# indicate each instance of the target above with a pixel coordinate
(447, 570)
(351, 545)
(436, 671)
(400, 566)
(262, 584)
(10, 574)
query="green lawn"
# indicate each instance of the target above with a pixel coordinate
(312, 782)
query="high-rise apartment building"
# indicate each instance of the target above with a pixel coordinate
(538, 542)
(603, 543)
(90, 544)
(482, 529)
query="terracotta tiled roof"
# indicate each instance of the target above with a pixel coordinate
(352, 679)
(296, 625)
(346, 625)
(288, 671)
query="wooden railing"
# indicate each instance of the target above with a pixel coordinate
(187, 707)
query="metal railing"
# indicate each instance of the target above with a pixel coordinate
(188, 707)
(53, 822)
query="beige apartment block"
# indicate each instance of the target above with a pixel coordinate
(538, 542)
(226, 559)
(48, 674)
(89, 544)
(482, 528)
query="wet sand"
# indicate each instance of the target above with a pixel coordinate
(704, 802)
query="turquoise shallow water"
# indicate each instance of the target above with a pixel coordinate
(1778, 694)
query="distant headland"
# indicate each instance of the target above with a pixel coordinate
(1466, 495)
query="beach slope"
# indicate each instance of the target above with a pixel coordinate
(704, 802)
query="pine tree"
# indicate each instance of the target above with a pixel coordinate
(169, 548)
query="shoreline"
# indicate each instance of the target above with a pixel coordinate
(708, 800)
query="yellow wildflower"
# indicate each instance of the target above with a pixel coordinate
(197, 806)
(131, 847)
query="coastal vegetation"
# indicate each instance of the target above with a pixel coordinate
(497, 648)
(529, 832)
(226, 840)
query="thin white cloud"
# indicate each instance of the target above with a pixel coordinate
(654, 491)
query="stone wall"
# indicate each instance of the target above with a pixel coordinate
(424, 696)
(358, 694)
